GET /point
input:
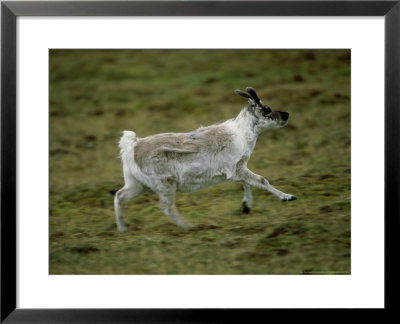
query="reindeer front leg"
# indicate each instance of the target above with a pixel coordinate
(255, 180)
(247, 199)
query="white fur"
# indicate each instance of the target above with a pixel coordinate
(166, 163)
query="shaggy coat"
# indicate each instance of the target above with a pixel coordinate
(171, 162)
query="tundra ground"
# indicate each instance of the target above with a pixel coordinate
(96, 94)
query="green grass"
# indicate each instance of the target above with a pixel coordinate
(96, 94)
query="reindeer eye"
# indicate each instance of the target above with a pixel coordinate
(266, 111)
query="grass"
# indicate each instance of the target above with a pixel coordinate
(96, 94)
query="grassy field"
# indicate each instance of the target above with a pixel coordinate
(96, 94)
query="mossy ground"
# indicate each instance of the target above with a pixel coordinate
(96, 94)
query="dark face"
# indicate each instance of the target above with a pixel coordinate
(272, 119)
(265, 117)
(281, 116)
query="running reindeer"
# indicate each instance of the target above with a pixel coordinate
(171, 162)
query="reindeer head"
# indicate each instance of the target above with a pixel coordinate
(264, 116)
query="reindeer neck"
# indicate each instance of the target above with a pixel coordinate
(246, 125)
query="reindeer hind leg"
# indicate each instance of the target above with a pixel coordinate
(122, 197)
(167, 205)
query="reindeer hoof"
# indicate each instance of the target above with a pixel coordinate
(122, 227)
(187, 225)
(289, 198)
(246, 209)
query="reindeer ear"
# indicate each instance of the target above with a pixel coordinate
(243, 94)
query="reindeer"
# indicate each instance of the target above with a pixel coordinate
(184, 162)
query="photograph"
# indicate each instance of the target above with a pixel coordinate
(200, 161)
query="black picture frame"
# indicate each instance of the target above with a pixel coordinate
(11, 10)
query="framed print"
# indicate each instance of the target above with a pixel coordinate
(76, 75)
